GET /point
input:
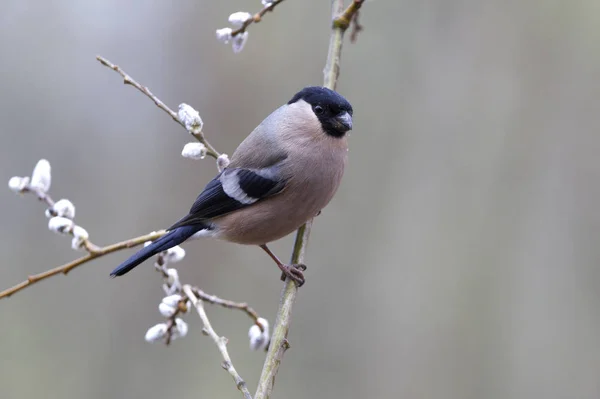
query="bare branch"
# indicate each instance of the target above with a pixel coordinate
(243, 306)
(128, 80)
(42, 196)
(356, 27)
(93, 250)
(256, 18)
(279, 343)
(221, 342)
(96, 253)
(345, 18)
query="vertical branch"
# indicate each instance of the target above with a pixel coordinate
(279, 343)
(332, 67)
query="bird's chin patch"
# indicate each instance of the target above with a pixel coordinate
(335, 129)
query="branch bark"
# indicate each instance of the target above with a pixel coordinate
(67, 267)
(93, 250)
(256, 17)
(128, 80)
(279, 343)
(221, 342)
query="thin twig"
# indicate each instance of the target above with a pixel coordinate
(215, 300)
(47, 199)
(93, 250)
(41, 195)
(66, 268)
(356, 27)
(128, 80)
(279, 343)
(221, 342)
(345, 18)
(256, 17)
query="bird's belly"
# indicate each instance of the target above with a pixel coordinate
(274, 218)
(259, 224)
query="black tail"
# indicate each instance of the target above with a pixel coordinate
(169, 240)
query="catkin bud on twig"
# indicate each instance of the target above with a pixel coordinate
(224, 35)
(156, 333)
(166, 310)
(41, 176)
(181, 329)
(259, 339)
(17, 183)
(238, 19)
(194, 151)
(60, 225)
(222, 162)
(175, 254)
(190, 118)
(239, 41)
(63, 207)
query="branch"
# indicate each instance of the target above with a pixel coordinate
(242, 306)
(221, 342)
(213, 299)
(93, 250)
(356, 27)
(279, 343)
(347, 16)
(128, 80)
(256, 17)
(66, 268)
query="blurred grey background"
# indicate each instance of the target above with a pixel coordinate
(458, 260)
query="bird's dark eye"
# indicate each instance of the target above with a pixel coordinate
(319, 110)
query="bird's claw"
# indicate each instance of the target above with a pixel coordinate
(294, 272)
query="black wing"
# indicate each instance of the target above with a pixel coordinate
(231, 190)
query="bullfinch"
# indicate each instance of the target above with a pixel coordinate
(279, 177)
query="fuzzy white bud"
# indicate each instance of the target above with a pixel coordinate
(181, 328)
(172, 300)
(222, 162)
(77, 244)
(166, 310)
(156, 333)
(173, 277)
(63, 207)
(224, 35)
(17, 183)
(194, 151)
(175, 254)
(41, 176)
(170, 289)
(266, 3)
(238, 19)
(190, 118)
(239, 41)
(60, 225)
(80, 232)
(259, 339)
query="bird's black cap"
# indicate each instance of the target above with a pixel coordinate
(316, 95)
(328, 105)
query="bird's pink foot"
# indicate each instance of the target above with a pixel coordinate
(294, 272)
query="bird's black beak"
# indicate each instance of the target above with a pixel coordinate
(344, 122)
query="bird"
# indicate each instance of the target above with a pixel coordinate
(281, 175)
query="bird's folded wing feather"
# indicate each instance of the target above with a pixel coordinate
(232, 189)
